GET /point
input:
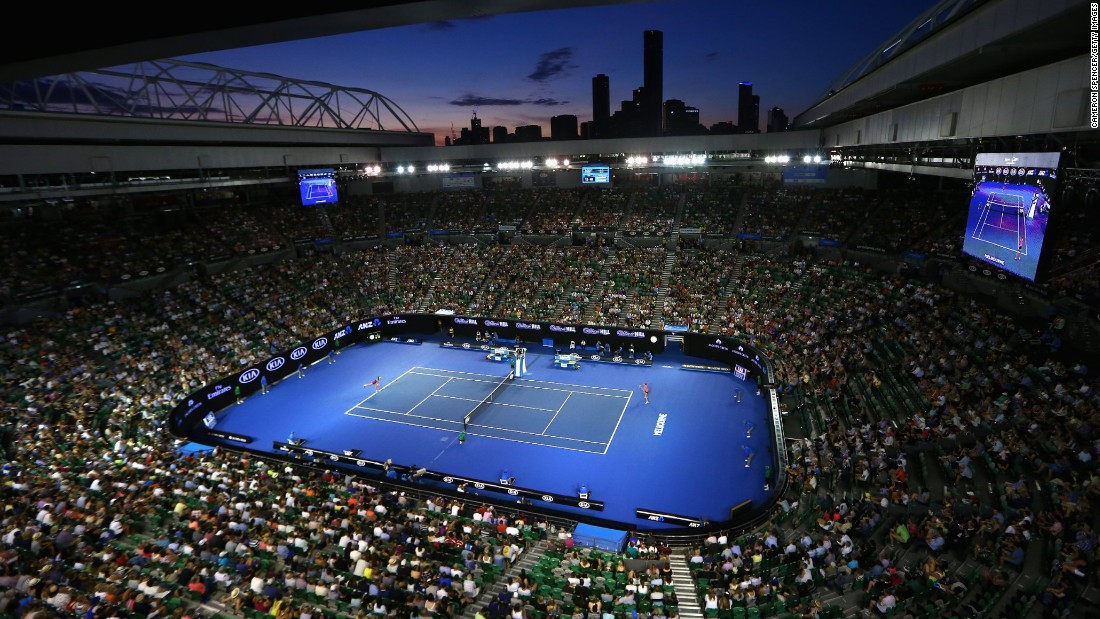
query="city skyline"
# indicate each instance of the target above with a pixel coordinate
(523, 69)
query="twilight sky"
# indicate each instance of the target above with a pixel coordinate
(523, 68)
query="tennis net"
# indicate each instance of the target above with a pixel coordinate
(1008, 207)
(482, 405)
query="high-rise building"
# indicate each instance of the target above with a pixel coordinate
(476, 134)
(601, 106)
(500, 134)
(529, 133)
(724, 127)
(563, 127)
(653, 83)
(777, 120)
(682, 119)
(748, 109)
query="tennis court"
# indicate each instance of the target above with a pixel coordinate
(551, 429)
(1002, 221)
(553, 414)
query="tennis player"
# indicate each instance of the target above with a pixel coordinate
(645, 392)
(374, 383)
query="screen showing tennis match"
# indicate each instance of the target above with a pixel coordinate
(1009, 209)
(317, 186)
(596, 174)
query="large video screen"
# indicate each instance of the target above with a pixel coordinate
(317, 186)
(596, 174)
(1009, 209)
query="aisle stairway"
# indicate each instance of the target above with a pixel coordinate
(499, 584)
(662, 292)
(736, 271)
(688, 601)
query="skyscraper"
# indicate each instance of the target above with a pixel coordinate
(682, 119)
(777, 120)
(476, 134)
(529, 133)
(653, 84)
(748, 109)
(563, 127)
(601, 106)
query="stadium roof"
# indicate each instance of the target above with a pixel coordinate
(87, 36)
(1037, 43)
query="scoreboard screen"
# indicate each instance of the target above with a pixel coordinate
(596, 174)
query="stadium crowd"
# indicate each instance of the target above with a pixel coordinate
(944, 451)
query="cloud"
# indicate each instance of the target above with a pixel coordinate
(472, 100)
(710, 56)
(552, 64)
(546, 101)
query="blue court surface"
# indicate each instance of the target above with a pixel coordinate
(1006, 226)
(553, 429)
(538, 412)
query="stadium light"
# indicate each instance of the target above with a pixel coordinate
(685, 160)
(551, 162)
(807, 159)
(400, 169)
(817, 158)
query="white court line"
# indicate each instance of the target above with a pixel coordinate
(372, 395)
(611, 438)
(513, 430)
(981, 220)
(474, 425)
(549, 423)
(496, 380)
(382, 410)
(471, 380)
(513, 384)
(548, 382)
(372, 408)
(978, 236)
(1011, 249)
(429, 395)
(534, 408)
(554, 382)
(421, 367)
(493, 436)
